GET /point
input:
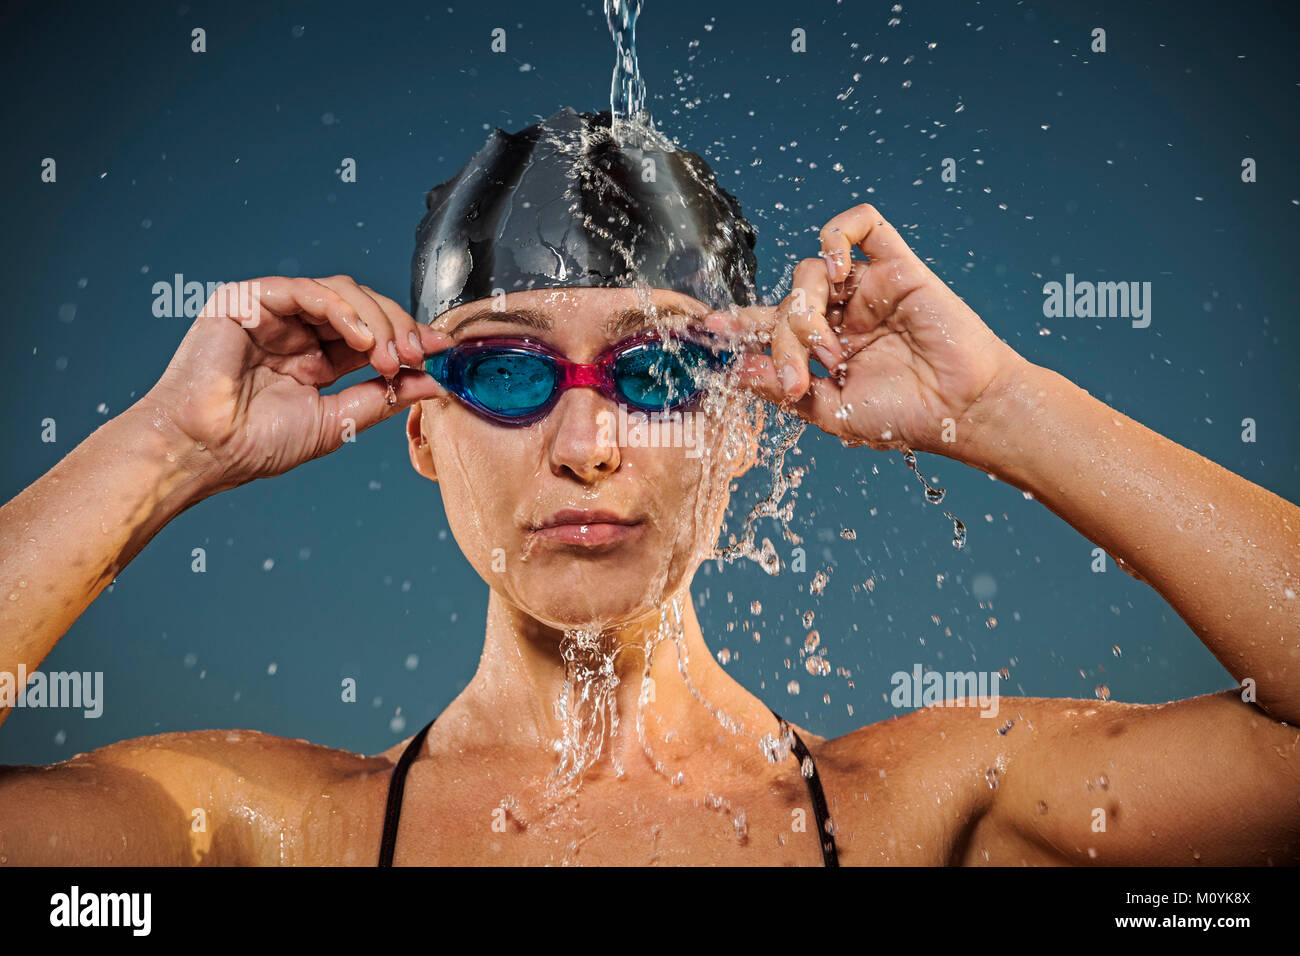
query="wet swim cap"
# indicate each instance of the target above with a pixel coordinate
(563, 203)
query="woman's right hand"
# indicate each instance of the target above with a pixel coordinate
(244, 386)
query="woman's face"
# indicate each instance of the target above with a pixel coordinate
(640, 519)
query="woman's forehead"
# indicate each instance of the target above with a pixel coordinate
(610, 313)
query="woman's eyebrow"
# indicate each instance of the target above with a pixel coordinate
(529, 317)
(633, 320)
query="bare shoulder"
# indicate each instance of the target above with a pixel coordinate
(204, 796)
(944, 731)
(913, 788)
(234, 755)
(1035, 782)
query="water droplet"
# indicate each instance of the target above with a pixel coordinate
(958, 531)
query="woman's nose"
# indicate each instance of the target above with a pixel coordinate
(585, 436)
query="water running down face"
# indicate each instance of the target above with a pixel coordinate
(566, 234)
(573, 519)
(575, 239)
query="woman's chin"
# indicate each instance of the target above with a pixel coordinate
(610, 608)
(586, 618)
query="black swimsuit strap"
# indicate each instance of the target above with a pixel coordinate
(397, 784)
(830, 856)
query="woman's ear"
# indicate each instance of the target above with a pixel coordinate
(418, 445)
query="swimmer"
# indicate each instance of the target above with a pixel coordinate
(599, 728)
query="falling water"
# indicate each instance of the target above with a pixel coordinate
(934, 496)
(627, 88)
(586, 709)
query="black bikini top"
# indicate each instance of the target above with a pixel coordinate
(398, 783)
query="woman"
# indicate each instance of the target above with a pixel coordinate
(599, 728)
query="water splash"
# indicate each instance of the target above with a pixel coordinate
(627, 87)
(934, 496)
(587, 708)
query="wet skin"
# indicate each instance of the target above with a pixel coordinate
(1212, 779)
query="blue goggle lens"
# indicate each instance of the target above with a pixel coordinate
(510, 383)
(652, 377)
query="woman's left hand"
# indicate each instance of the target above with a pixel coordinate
(911, 364)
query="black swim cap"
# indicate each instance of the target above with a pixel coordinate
(564, 203)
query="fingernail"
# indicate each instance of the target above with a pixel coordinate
(361, 324)
(415, 342)
(824, 356)
(789, 378)
(392, 350)
(834, 264)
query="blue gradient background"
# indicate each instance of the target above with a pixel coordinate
(219, 166)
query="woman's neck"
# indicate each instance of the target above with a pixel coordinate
(593, 693)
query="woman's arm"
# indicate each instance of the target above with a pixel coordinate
(1224, 552)
(912, 366)
(66, 536)
(240, 400)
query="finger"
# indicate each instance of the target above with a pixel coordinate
(365, 403)
(309, 298)
(758, 373)
(842, 292)
(807, 313)
(405, 329)
(384, 355)
(743, 323)
(343, 360)
(822, 405)
(277, 317)
(862, 226)
(790, 359)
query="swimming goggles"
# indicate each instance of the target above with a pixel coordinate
(517, 381)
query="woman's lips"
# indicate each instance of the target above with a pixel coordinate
(588, 528)
(589, 535)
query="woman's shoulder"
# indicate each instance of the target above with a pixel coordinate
(235, 759)
(974, 729)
